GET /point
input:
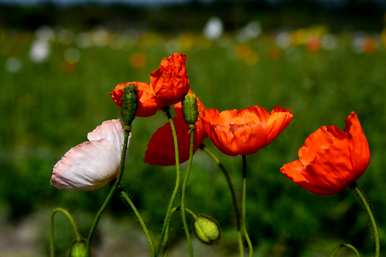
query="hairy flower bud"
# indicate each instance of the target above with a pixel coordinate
(190, 108)
(78, 249)
(129, 106)
(207, 229)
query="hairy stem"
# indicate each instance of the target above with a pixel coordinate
(225, 172)
(183, 191)
(111, 193)
(126, 198)
(243, 208)
(358, 192)
(163, 239)
(52, 233)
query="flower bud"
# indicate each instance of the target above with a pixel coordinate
(190, 108)
(129, 106)
(207, 229)
(78, 249)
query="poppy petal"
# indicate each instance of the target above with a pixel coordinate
(332, 159)
(160, 149)
(278, 120)
(360, 150)
(91, 164)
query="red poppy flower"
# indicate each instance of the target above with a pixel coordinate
(240, 132)
(160, 149)
(330, 159)
(147, 103)
(170, 81)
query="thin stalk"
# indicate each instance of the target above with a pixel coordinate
(183, 191)
(176, 186)
(111, 193)
(126, 197)
(225, 172)
(358, 192)
(243, 209)
(52, 234)
(348, 246)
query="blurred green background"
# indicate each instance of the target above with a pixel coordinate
(59, 64)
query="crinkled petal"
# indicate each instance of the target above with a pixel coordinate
(147, 102)
(170, 81)
(331, 159)
(360, 150)
(277, 122)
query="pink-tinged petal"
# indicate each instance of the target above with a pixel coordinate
(91, 164)
(110, 130)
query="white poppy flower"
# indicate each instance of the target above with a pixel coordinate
(40, 50)
(93, 163)
(213, 28)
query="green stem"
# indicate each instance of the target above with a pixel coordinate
(126, 197)
(52, 234)
(374, 226)
(243, 209)
(348, 246)
(183, 191)
(176, 186)
(232, 192)
(111, 193)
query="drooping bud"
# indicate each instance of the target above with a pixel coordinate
(129, 106)
(207, 229)
(190, 108)
(79, 249)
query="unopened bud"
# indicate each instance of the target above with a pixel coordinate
(78, 249)
(129, 106)
(207, 229)
(189, 105)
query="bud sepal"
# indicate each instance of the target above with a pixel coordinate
(129, 106)
(190, 109)
(78, 249)
(206, 229)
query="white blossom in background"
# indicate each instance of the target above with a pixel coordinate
(283, 39)
(40, 50)
(251, 31)
(13, 65)
(213, 28)
(329, 42)
(358, 41)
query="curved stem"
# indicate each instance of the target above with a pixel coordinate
(111, 193)
(348, 246)
(232, 192)
(126, 197)
(176, 186)
(52, 234)
(183, 191)
(374, 226)
(243, 209)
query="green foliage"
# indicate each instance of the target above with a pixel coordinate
(49, 107)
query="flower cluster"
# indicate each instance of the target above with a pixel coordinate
(329, 161)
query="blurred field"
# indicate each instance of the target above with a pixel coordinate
(46, 107)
